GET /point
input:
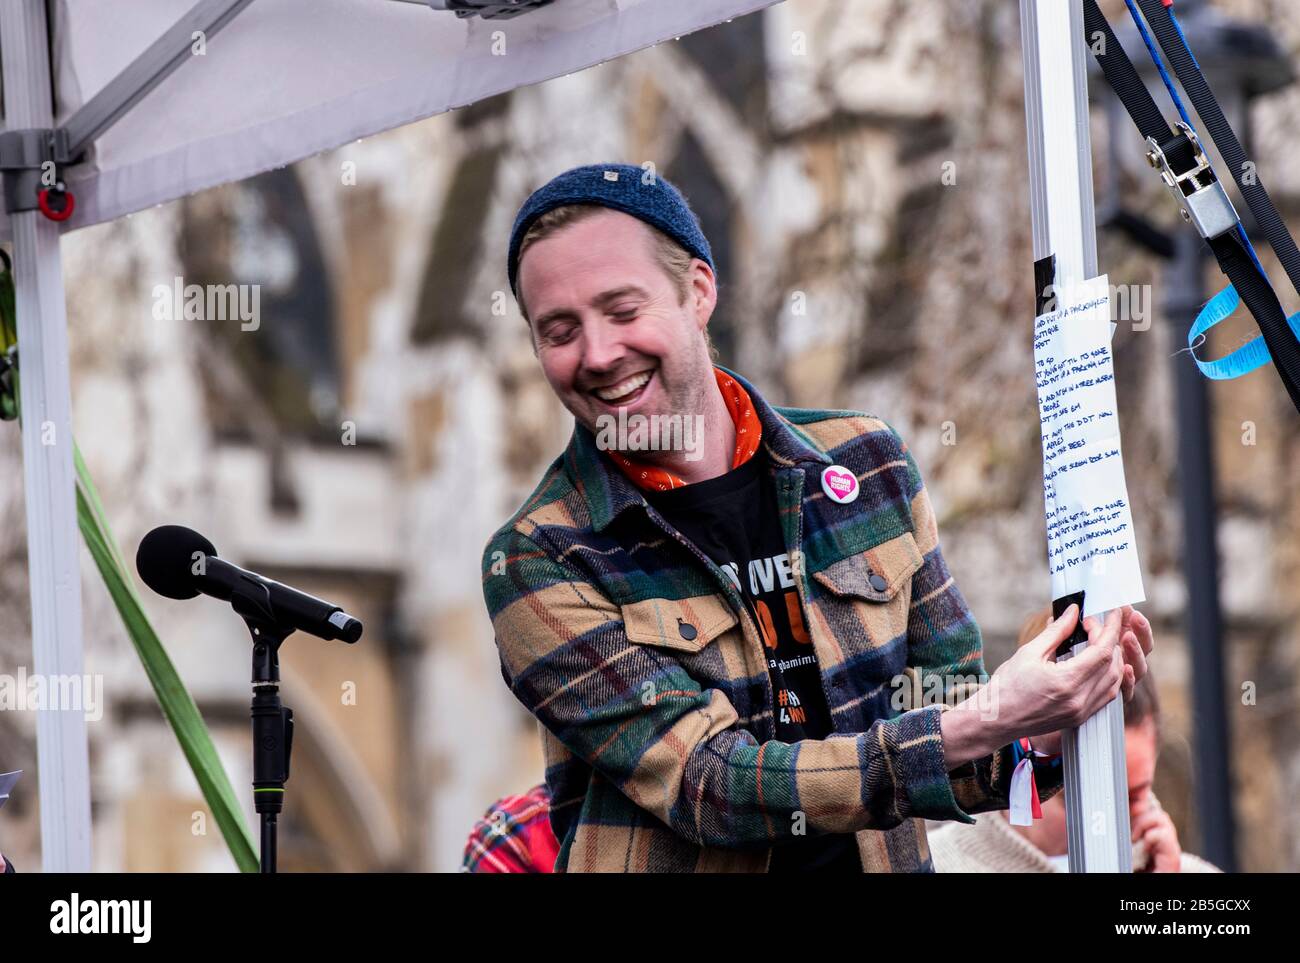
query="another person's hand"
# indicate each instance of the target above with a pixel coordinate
(1137, 641)
(1155, 833)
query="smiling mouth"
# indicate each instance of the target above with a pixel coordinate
(626, 391)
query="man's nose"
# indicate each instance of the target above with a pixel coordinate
(602, 347)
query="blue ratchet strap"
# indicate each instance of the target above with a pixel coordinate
(1254, 354)
(1236, 258)
(1186, 171)
(1251, 355)
(1178, 102)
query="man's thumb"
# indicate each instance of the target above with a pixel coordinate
(1046, 642)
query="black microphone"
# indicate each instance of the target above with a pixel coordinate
(179, 563)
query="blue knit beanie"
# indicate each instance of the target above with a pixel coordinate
(621, 187)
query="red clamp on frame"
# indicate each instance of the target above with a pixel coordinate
(56, 203)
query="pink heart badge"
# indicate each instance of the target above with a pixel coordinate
(839, 484)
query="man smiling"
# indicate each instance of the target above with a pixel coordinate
(711, 639)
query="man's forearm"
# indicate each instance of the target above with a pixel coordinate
(967, 735)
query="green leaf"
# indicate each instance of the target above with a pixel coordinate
(8, 316)
(174, 699)
(8, 338)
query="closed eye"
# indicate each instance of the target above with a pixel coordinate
(559, 333)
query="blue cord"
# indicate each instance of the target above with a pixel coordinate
(1159, 62)
(1248, 357)
(1178, 101)
(1173, 18)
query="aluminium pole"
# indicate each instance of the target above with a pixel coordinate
(53, 542)
(1064, 228)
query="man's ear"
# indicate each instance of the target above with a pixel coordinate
(703, 292)
(532, 339)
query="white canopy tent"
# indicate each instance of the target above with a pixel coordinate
(133, 104)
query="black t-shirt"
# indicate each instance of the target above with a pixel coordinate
(734, 520)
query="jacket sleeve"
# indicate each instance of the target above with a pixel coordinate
(634, 714)
(944, 640)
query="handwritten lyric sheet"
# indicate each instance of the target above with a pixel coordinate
(1090, 540)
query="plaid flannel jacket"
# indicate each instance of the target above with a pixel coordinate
(659, 749)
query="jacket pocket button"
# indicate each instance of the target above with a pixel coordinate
(878, 582)
(686, 629)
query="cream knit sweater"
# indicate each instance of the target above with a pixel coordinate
(992, 845)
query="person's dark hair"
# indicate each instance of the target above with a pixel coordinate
(1144, 705)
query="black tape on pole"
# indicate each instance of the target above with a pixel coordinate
(1044, 281)
(1078, 635)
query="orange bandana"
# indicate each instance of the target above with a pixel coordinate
(749, 432)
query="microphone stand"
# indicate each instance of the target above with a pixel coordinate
(272, 721)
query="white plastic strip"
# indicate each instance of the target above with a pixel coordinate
(1064, 225)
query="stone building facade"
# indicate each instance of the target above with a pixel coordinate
(860, 170)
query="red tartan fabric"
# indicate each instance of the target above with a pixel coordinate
(514, 836)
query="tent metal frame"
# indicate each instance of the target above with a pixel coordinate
(52, 537)
(487, 9)
(26, 148)
(31, 149)
(33, 152)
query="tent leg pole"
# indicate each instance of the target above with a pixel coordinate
(52, 536)
(1065, 227)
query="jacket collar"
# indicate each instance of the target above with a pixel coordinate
(609, 492)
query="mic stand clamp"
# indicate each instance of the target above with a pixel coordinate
(272, 721)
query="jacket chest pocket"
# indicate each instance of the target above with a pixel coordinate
(704, 634)
(866, 602)
(687, 625)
